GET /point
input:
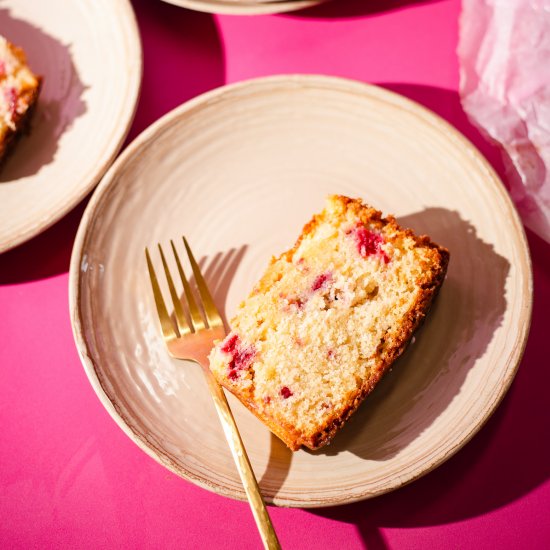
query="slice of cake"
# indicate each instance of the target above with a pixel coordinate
(327, 319)
(19, 89)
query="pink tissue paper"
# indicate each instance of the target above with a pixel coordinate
(504, 55)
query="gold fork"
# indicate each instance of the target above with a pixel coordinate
(193, 341)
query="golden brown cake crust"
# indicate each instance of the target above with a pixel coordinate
(21, 122)
(388, 350)
(29, 90)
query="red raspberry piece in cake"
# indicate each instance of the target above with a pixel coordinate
(369, 243)
(230, 344)
(241, 361)
(285, 392)
(321, 281)
(241, 358)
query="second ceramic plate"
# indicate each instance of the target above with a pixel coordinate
(244, 7)
(89, 55)
(239, 171)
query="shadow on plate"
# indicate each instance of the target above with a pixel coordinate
(219, 272)
(60, 102)
(350, 9)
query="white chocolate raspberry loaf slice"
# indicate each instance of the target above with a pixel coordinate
(19, 89)
(327, 319)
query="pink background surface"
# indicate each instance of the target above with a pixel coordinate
(69, 477)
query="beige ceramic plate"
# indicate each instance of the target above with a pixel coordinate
(244, 7)
(89, 55)
(239, 170)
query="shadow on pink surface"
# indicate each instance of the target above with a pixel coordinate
(347, 9)
(47, 255)
(190, 41)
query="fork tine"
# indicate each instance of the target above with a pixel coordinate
(183, 327)
(196, 317)
(212, 313)
(165, 322)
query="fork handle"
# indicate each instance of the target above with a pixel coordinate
(263, 521)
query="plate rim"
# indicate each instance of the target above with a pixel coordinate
(260, 8)
(119, 135)
(305, 80)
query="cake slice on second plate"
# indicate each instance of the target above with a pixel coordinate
(19, 89)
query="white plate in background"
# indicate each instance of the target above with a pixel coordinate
(245, 7)
(89, 55)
